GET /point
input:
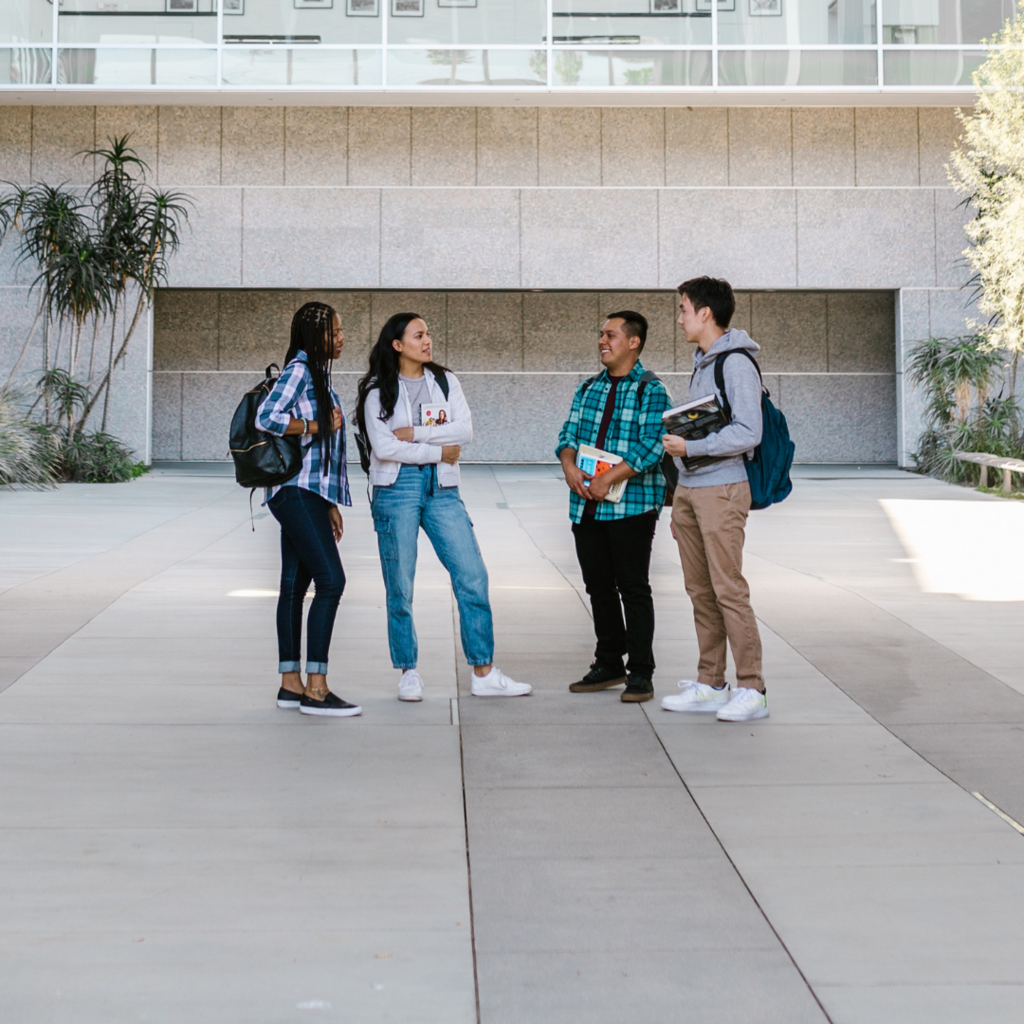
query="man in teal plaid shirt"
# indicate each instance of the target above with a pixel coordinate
(618, 411)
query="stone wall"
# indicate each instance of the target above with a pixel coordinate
(507, 199)
(828, 357)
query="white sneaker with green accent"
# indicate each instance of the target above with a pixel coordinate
(746, 705)
(695, 697)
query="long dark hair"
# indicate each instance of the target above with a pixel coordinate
(313, 333)
(383, 371)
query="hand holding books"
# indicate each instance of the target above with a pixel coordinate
(691, 422)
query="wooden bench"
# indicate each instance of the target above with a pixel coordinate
(1008, 466)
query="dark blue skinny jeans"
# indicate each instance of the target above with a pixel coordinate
(309, 553)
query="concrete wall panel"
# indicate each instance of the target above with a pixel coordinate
(866, 238)
(485, 331)
(792, 330)
(506, 146)
(316, 146)
(211, 249)
(142, 123)
(16, 144)
(167, 416)
(59, 136)
(253, 146)
(697, 146)
(569, 141)
(860, 332)
(186, 332)
(208, 400)
(379, 146)
(823, 147)
(951, 218)
(760, 146)
(939, 130)
(569, 239)
(190, 146)
(449, 238)
(632, 146)
(443, 146)
(887, 152)
(316, 237)
(748, 237)
(560, 331)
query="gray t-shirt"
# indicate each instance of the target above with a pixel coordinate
(419, 395)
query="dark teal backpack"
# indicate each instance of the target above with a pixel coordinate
(768, 470)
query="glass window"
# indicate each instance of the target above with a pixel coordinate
(797, 67)
(601, 68)
(286, 66)
(931, 67)
(305, 21)
(26, 21)
(135, 67)
(920, 22)
(179, 22)
(24, 65)
(467, 22)
(467, 67)
(643, 22)
(796, 22)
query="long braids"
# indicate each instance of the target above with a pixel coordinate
(313, 333)
(383, 371)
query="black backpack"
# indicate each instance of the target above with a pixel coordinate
(768, 470)
(668, 467)
(363, 442)
(261, 459)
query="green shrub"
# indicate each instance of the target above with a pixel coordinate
(28, 454)
(97, 458)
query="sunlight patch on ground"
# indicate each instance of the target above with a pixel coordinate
(971, 548)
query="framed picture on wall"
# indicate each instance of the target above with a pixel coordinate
(362, 8)
(407, 8)
(182, 6)
(313, 5)
(233, 7)
(666, 6)
(723, 5)
(456, 3)
(766, 8)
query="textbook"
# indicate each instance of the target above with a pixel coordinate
(595, 462)
(694, 421)
(436, 414)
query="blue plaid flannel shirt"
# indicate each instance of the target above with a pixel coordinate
(634, 433)
(293, 396)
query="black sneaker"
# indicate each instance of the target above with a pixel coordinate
(637, 690)
(331, 706)
(287, 699)
(600, 677)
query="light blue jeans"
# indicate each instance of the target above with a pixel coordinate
(416, 500)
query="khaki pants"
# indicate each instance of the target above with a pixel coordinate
(709, 526)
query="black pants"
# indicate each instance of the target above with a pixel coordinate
(615, 556)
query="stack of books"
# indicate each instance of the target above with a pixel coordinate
(694, 421)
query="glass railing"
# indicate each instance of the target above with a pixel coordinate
(481, 45)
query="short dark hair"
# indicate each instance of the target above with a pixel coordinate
(633, 323)
(713, 292)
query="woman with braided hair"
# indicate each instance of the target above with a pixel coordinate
(303, 402)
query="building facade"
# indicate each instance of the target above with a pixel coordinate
(513, 170)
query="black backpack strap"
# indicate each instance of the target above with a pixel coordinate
(645, 379)
(585, 385)
(442, 382)
(720, 377)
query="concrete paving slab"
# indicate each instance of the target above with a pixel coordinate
(922, 1004)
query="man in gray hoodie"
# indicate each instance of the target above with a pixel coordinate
(710, 507)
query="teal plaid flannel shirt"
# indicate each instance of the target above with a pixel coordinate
(634, 433)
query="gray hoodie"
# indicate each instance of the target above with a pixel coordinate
(732, 443)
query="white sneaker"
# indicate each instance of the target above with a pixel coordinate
(696, 697)
(746, 705)
(495, 684)
(410, 686)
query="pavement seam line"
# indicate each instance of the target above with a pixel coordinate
(1002, 814)
(739, 874)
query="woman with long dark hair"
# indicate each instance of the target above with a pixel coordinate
(414, 473)
(303, 402)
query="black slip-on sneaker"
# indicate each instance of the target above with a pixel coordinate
(287, 699)
(637, 690)
(331, 706)
(600, 677)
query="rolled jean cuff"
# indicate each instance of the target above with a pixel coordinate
(319, 667)
(288, 666)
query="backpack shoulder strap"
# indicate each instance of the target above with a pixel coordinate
(720, 377)
(585, 385)
(645, 379)
(442, 382)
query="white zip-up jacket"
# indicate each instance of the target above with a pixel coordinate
(388, 454)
